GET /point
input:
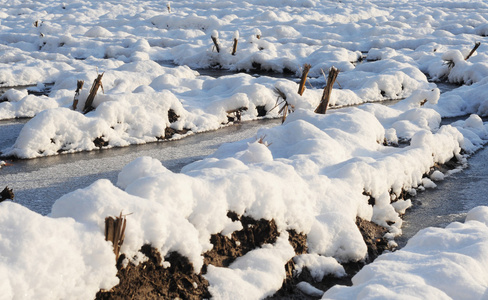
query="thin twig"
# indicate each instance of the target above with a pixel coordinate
(476, 46)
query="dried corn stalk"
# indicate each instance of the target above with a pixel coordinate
(236, 38)
(97, 83)
(324, 102)
(215, 39)
(115, 232)
(285, 108)
(303, 80)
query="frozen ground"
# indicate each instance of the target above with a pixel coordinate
(314, 174)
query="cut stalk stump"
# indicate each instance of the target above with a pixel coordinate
(303, 80)
(115, 232)
(324, 102)
(97, 83)
(234, 47)
(215, 40)
(236, 38)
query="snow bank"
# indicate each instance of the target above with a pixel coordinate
(319, 266)
(464, 100)
(122, 118)
(148, 222)
(440, 263)
(51, 258)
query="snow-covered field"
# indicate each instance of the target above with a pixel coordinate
(313, 174)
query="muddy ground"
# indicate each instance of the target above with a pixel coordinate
(149, 280)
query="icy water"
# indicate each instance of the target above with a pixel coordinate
(38, 183)
(451, 200)
(9, 131)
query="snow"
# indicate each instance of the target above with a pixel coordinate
(319, 266)
(51, 258)
(437, 176)
(300, 175)
(309, 289)
(313, 174)
(437, 263)
(255, 275)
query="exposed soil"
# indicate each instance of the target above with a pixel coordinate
(376, 243)
(289, 289)
(261, 110)
(99, 142)
(172, 116)
(149, 280)
(254, 234)
(6, 194)
(170, 132)
(449, 165)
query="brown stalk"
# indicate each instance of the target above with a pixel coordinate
(234, 48)
(286, 108)
(303, 80)
(115, 232)
(476, 46)
(97, 83)
(216, 43)
(324, 102)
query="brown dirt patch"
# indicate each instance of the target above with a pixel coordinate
(254, 234)
(373, 237)
(150, 280)
(170, 132)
